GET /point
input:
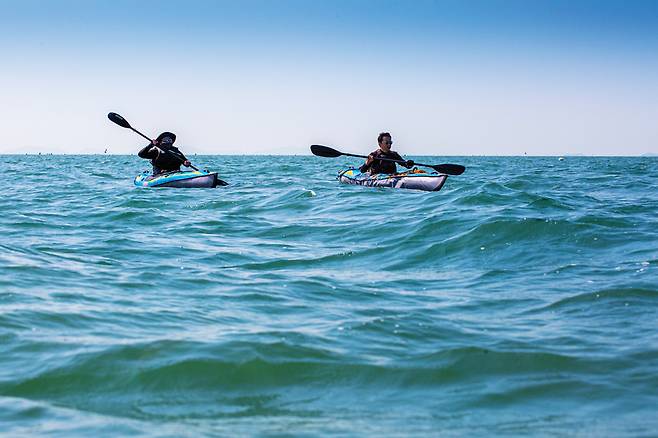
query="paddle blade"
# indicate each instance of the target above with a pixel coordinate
(325, 151)
(119, 120)
(449, 169)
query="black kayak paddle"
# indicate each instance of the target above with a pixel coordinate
(116, 118)
(326, 151)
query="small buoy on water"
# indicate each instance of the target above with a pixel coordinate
(561, 159)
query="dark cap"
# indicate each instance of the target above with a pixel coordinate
(166, 134)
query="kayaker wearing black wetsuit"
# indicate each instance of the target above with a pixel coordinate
(164, 156)
(373, 165)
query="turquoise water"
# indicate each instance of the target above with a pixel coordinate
(521, 299)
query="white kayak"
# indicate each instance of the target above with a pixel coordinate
(414, 179)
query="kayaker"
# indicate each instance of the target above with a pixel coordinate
(164, 156)
(373, 165)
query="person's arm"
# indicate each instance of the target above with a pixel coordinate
(186, 162)
(407, 163)
(182, 156)
(179, 155)
(366, 166)
(149, 152)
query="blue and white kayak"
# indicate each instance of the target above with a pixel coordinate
(414, 179)
(180, 179)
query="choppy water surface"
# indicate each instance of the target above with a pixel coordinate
(522, 299)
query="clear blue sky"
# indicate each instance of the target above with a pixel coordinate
(254, 76)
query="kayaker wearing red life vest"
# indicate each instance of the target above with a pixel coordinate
(164, 156)
(373, 165)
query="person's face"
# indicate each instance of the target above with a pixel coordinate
(386, 144)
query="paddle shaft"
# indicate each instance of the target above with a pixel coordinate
(387, 159)
(141, 134)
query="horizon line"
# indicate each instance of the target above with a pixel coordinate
(646, 155)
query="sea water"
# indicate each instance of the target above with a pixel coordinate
(521, 299)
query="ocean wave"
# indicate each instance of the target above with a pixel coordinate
(287, 298)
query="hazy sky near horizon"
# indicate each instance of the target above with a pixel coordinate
(447, 77)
